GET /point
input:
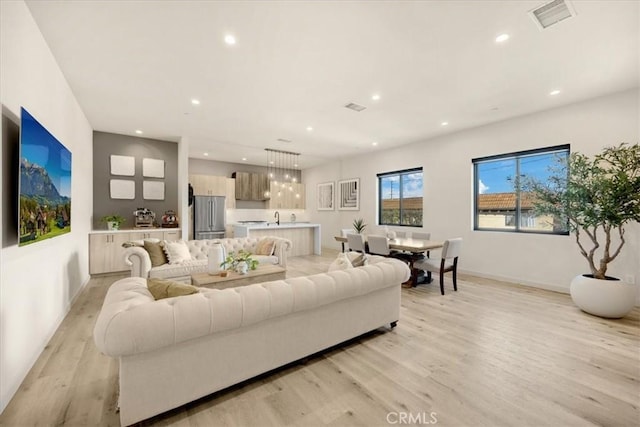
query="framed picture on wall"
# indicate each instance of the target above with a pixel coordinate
(152, 168)
(123, 165)
(349, 194)
(326, 196)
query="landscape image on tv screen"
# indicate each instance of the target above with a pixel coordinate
(45, 183)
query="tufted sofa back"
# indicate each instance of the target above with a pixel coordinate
(132, 322)
(200, 248)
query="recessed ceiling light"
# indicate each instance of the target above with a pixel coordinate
(375, 96)
(195, 101)
(374, 144)
(554, 92)
(502, 38)
(444, 124)
(295, 165)
(230, 39)
(206, 154)
(309, 129)
(138, 131)
(244, 159)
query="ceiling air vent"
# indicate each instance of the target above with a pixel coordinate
(288, 141)
(552, 13)
(355, 107)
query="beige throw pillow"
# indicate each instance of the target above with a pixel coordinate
(161, 288)
(265, 247)
(357, 259)
(177, 251)
(156, 253)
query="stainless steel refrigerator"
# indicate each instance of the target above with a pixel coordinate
(208, 217)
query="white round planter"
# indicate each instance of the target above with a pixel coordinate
(113, 225)
(605, 298)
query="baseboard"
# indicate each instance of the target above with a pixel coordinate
(517, 281)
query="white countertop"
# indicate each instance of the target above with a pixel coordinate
(133, 230)
(274, 226)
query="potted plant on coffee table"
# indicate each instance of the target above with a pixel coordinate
(240, 262)
(113, 221)
(596, 197)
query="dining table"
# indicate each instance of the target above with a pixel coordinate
(415, 249)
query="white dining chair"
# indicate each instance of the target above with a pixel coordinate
(344, 232)
(356, 242)
(448, 262)
(421, 236)
(401, 234)
(378, 245)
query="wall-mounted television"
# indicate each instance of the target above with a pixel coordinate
(45, 183)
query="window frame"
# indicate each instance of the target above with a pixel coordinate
(516, 155)
(399, 173)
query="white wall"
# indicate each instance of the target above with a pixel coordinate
(540, 260)
(39, 281)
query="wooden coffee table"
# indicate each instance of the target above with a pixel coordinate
(264, 273)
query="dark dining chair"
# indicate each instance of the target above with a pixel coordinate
(447, 262)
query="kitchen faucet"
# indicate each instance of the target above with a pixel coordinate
(277, 217)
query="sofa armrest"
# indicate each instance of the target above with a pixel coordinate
(138, 260)
(281, 250)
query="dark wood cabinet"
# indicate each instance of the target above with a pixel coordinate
(251, 186)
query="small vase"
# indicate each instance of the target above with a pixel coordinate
(113, 225)
(242, 268)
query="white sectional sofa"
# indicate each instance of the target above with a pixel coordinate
(140, 263)
(175, 350)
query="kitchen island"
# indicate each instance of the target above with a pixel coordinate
(305, 237)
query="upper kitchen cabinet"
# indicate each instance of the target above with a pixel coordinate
(208, 185)
(251, 186)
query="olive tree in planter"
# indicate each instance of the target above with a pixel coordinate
(596, 197)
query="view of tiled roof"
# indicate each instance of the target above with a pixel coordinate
(407, 203)
(486, 202)
(503, 201)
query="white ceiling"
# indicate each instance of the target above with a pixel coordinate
(137, 65)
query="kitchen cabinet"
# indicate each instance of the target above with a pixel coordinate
(163, 234)
(251, 186)
(284, 198)
(230, 200)
(106, 254)
(151, 234)
(208, 185)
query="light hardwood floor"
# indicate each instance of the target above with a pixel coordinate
(493, 354)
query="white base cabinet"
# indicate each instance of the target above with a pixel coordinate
(106, 254)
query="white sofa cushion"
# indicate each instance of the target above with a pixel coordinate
(186, 268)
(177, 251)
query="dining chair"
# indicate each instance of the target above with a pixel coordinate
(344, 232)
(448, 262)
(422, 236)
(401, 234)
(356, 242)
(378, 245)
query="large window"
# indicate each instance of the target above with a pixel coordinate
(501, 202)
(400, 198)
